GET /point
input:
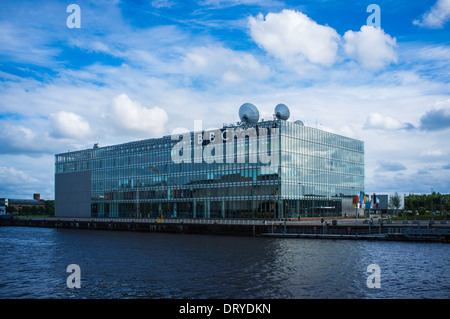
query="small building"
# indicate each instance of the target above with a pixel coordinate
(3, 202)
(384, 203)
(20, 203)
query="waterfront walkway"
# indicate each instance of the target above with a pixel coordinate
(223, 221)
(343, 228)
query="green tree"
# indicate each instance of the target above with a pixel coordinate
(26, 210)
(50, 207)
(34, 210)
(395, 202)
(11, 209)
(41, 210)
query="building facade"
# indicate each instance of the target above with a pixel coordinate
(20, 203)
(384, 203)
(266, 169)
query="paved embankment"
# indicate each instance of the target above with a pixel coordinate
(309, 228)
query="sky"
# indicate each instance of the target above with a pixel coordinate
(119, 71)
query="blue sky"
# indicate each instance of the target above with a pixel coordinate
(140, 69)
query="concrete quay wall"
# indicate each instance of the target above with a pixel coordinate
(342, 229)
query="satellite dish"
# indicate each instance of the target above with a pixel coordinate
(249, 113)
(282, 112)
(299, 123)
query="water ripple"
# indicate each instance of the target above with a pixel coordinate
(153, 265)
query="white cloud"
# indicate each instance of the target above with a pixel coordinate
(432, 153)
(371, 47)
(18, 46)
(162, 3)
(16, 138)
(15, 176)
(391, 166)
(436, 17)
(348, 130)
(300, 42)
(222, 63)
(188, 74)
(438, 118)
(230, 3)
(30, 139)
(70, 125)
(294, 38)
(92, 45)
(132, 117)
(380, 122)
(22, 177)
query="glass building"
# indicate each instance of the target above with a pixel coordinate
(265, 169)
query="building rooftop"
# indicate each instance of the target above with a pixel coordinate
(25, 201)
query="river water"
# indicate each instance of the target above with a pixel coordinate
(115, 264)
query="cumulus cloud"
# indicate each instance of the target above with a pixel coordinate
(436, 17)
(20, 134)
(389, 166)
(371, 47)
(15, 176)
(18, 139)
(70, 125)
(378, 121)
(132, 117)
(22, 178)
(33, 139)
(435, 120)
(294, 38)
(297, 40)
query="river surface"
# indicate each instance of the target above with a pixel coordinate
(34, 261)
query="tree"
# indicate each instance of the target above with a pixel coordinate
(11, 209)
(395, 202)
(26, 210)
(41, 210)
(34, 210)
(50, 207)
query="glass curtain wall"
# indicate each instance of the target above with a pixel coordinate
(315, 170)
(318, 170)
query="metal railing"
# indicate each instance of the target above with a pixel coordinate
(276, 225)
(372, 231)
(150, 220)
